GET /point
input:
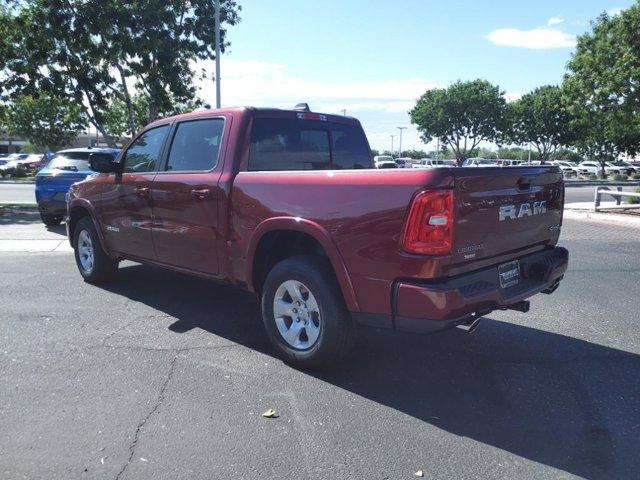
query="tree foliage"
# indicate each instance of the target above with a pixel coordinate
(462, 115)
(542, 118)
(118, 123)
(45, 121)
(96, 53)
(602, 86)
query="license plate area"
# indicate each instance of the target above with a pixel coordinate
(509, 274)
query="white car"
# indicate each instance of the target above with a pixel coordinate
(566, 166)
(386, 164)
(433, 163)
(405, 162)
(593, 168)
(510, 163)
(384, 161)
(479, 162)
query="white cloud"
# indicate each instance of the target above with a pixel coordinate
(555, 21)
(537, 38)
(612, 12)
(381, 105)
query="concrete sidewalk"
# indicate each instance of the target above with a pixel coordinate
(23, 231)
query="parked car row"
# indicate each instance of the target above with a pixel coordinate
(28, 162)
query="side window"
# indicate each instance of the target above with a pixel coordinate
(350, 148)
(288, 145)
(143, 155)
(195, 146)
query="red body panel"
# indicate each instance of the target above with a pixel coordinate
(357, 216)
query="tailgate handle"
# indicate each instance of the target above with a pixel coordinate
(524, 184)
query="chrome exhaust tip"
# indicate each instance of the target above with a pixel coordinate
(470, 324)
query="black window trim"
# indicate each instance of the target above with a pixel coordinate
(121, 158)
(171, 137)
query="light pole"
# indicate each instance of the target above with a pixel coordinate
(400, 147)
(217, 27)
(344, 112)
(392, 137)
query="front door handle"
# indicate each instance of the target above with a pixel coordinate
(201, 194)
(142, 191)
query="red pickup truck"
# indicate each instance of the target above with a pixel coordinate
(288, 205)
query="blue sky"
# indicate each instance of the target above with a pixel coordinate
(374, 58)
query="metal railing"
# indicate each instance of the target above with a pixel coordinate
(617, 194)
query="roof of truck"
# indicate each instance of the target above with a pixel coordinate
(266, 111)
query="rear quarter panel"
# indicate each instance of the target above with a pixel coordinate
(362, 211)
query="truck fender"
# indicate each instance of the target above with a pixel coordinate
(321, 235)
(86, 205)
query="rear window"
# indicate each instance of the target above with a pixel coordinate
(290, 144)
(70, 161)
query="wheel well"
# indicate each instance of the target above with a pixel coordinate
(278, 245)
(75, 215)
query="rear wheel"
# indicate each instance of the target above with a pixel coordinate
(304, 313)
(51, 220)
(92, 261)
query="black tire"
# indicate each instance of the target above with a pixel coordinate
(336, 334)
(51, 220)
(104, 268)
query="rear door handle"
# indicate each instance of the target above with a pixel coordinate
(201, 194)
(142, 191)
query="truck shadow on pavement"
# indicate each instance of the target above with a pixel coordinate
(549, 398)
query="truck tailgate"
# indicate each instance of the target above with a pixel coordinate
(508, 209)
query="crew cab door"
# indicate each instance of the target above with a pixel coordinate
(125, 208)
(185, 196)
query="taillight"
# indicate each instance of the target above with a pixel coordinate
(429, 226)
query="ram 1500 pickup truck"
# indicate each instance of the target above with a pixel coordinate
(288, 205)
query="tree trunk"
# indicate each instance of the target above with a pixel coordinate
(127, 101)
(92, 118)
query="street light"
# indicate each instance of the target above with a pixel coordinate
(217, 28)
(392, 137)
(344, 112)
(400, 147)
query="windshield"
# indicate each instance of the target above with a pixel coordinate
(485, 162)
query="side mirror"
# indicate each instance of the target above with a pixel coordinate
(102, 163)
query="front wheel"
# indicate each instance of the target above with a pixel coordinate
(304, 312)
(93, 262)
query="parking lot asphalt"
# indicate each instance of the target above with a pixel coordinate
(163, 376)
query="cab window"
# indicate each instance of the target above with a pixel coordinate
(144, 154)
(196, 145)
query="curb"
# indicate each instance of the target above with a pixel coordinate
(627, 220)
(17, 182)
(595, 183)
(19, 206)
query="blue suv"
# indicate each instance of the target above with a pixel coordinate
(52, 182)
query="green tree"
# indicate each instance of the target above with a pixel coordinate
(97, 54)
(414, 154)
(461, 116)
(118, 122)
(542, 119)
(601, 87)
(45, 121)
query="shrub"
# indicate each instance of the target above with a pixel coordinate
(592, 176)
(635, 200)
(636, 176)
(19, 172)
(618, 177)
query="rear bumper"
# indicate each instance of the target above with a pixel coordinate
(427, 306)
